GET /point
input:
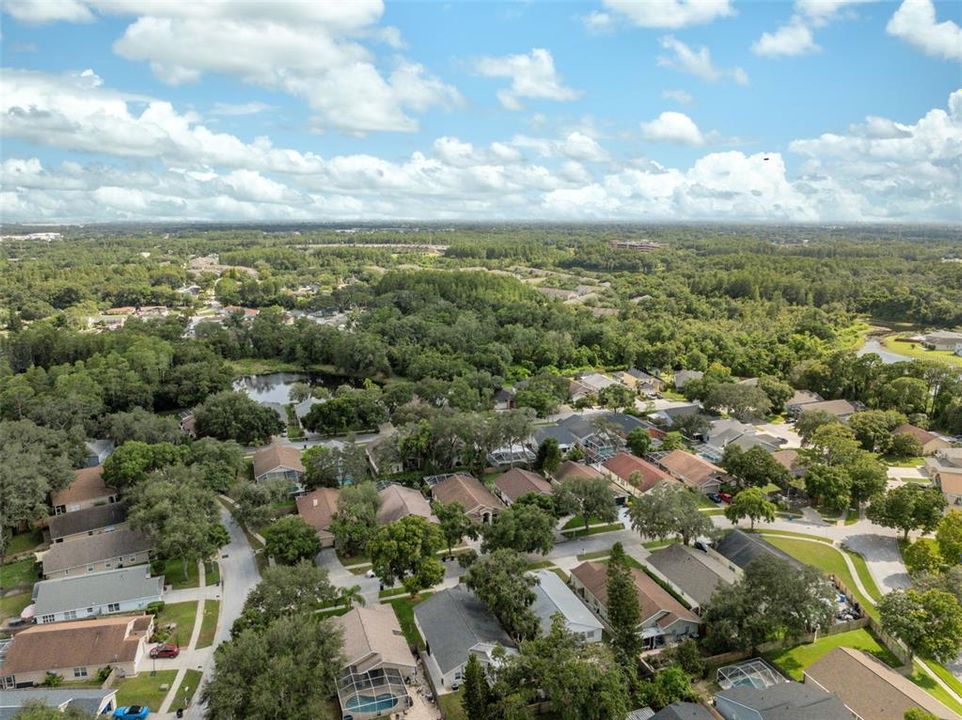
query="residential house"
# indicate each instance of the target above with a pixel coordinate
(723, 433)
(478, 502)
(664, 620)
(647, 384)
(693, 574)
(635, 475)
(945, 469)
(944, 340)
(84, 523)
(106, 551)
(278, 461)
(596, 382)
(504, 399)
(781, 701)
(76, 650)
(578, 391)
(683, 377)
(669, 411)
(562, 435)
(695, 472)
(98, 451)
(553, 596)
(683, 711)
(797, 402)
(930, 442)
(78, 597)
(623, 423)
(86, 490)
(398, 502)
(842, 410)
(378, 666)
(516, 483)
(571, 469)
(870, 689)
(739, 548)
(317, 509)
(511, 455)
(791, 461)
(91, 701)
(455, 625)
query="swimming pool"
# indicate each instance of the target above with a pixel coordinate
(368, 704)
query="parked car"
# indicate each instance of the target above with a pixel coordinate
(131, 712)
(715, 497)
(725, 497)
(164, 650)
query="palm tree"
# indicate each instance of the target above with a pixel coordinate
(350, 595)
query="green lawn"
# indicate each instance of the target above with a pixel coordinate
(13, 605)
(790, 534)
(174, 574)
(655, 544)
(451, 707)
(915, 350)
(212, 572)
(903, 462)
(579, 522)
(540, 565)
(864, 575)
(934, 689)
(704, 502)
(561, 574)
(183, 615)
(794, 661)
(187, 689)
(208, 624)
(145, 689)
(596, 555)
(404, 609)
(948, 678)
(593, 531)
(24, 542)
(23, 573)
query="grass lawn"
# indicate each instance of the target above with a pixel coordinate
(187, 689)
(451, 707)
(655, 544)
(597, 554)
(561, 574)
(13, 605)
(181, 614)
(704, 502)
(579, 522)
(174, 574)
(864, 575)
(934, 689)
(794, 661)
(903, 462)
(24, 542)
(359, 569)
(212, 572)
(889, 342)
(23, 573)
(540, 565)
(391, 592)
(827, 559)
(208, 624)
(145, 689)
(789, 533)
(948, 678)
(593, 531)
(404, 609)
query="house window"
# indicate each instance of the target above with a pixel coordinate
(70, 615)
(113, 607)
(60, 510)
(80, 672)
(8, 682)
(107, 565)
(47, 618)
(90, 569)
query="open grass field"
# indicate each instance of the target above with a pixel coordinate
(794, 661)
(145, 689)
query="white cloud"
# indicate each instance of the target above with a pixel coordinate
(679, 96)
(598, 21)
(696, 62)
(44, 11)
(532, 76)
(673, 127)
(235, 109)
(794, 38)
(915, 23)
(670, 14)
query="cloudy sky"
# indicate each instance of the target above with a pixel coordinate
(812, 110)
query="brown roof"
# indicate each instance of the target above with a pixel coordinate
(570, 469)
(690, 469)
(94, 549)
(923, 436)
(79, 643)
(788, 459)
(652, 598)
(374, 630)
(88, 484)
(317, 509)
(869, 688)
(832, 407)
(467, 490)
(517, 482)
(951, 482)
(398, 502)
(624, 465)
(276, 455)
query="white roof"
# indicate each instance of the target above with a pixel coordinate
(553, 596)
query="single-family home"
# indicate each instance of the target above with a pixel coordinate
(791, 461)
(83, 523)
(695, 472)
(646, 383)
(668, 412)
(797, 402)
(571, 469)
(943, 340)
(945, 469)
(693, 574)
(723, 433)
(86, 490)
(870, 689)
(106, 551)
(515, 483)
(455, 624)
(578, 391)
(317, 509)
(553, 596)
(681, 711)
(560, 434)
(128, 589)
(683, 377)
(740, 548)
(781, 701)
(76, 650)
(504, 399)
(278, 461)
(98, 451)
(596, 382)
(398, 502)
(664, 620)
(378, 663)
(635, 475)
(930, 442)
(842, 410)
(478, 502)
(91, 701)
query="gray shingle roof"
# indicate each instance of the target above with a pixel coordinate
(94, 549)
(741, 548)
(683, 711)
(81, 521)
(553, 596)
(94, 589)
(789, 701)
(453, 622)
(688, 572)
(89, 699)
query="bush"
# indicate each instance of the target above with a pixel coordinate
(155, 608)
(104, 673)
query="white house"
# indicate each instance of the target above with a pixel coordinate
(115, 591)
(553, 596)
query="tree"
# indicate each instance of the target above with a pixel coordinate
(672, 441)
(754, 467)
(873, 428)
(778, 391)
(829, 486)
(143, 425)
(908, 507)
(922, 556)
(232, 415)
(666, 511)
(752, 503)
(918, 714)
(639, 442)
(904, 446)
(588, 498)
(284, 670)
(356, 517)
(549, 456)
(867, 478)
(743, 402)
(321, 468)
(455, 525)
(810, 421)
(833, 444)
(289, 540)
(624, 612)
(348, 596)
(134, 460)
(692, 425)
(670, 685)
(476, 696)
(219, 462)
(254, 504)
(39, 710)
(616, 397)
(949, 581)
(348, 410)
(929, 622)
(284, 590)
(406, 550)
(525, 528)
(502, 582)
(948, 535)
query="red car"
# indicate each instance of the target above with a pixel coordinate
(725, 497)
(166, 650)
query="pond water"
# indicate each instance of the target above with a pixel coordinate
(275, 387)
(873, 345)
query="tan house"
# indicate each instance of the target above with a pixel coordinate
(278, 461)
(664, 620)
(398, 502)
(87, 490)
(76, 650)
(930, 442)
(635, 475)
(871, 690)
(945, 469)
(478, 502)
(697, 473)
(516, 482)
(96, 553)
(317, 509)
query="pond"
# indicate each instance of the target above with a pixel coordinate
(275, 387)
(873, 345)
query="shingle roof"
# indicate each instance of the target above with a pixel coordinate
(553, 596)
(691, 572)
(88, 699)
(741, 548)
(652, 598)
(683, 711)
(832, 407)
(789, 701)
(562, 434)
(317, 509)
(88, 484)
(398, 502)
(517, 482)
(788, 459)
(95, 589)
(690, 469)
(570, 469)
(276, 455)
(374, 630)
(871, 689)
(467, 490)
(923, 436)
(93, 549)
(454, 621)
(85, 520)
(624, 465)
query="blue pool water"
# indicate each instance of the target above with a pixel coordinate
(367, 704)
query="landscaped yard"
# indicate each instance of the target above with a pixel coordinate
(208, 624)
(579, 522)
(183, 615)
(451, 707)
(795, 660)
(212, 572)
(13, 605)
(187, 689)
(915, 350)
(404, 609)
(593, 531)
(174, 574)
(23, 573)
(23, 542)
(934, 689)
(145, 689)
(596, 555)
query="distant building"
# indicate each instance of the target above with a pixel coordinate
(107, 551)
(930, 442)
(516, 483)
(637, 476)
(683, 377)
(693, 574)
(397, 502)
(740, 548)
(945, 469)
(695, 472)
(84, 523)
(840, 409)
(782, 701)
(944, 340)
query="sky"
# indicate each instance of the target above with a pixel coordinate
(610, 110)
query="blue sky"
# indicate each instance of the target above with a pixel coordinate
(610, 110)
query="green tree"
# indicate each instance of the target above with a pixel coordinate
(752, 503)
(754, 467)
(929, 622)
(289, 540)
(829, 485)
(476, 696)
(922, 556)
(232, 415)
(134, 460)
(549, 456)
(624, 612)
(666, 511)
(143, 425)
(908, 507)
(455, 525)
(778, 391)
(284, 590)
(616, 397)
(743, 402)
(904, 446)
(873, 428)
(672, 441)
(918, 714)
(406, 550)
(948, 535)
(502, 582)
(867, 478)
(39, 710)
(525, 528)
(588, 498)
(670, 685)
(639, 442)
(810, 421)
(356, 518)
(833, 445)
(219, 462)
